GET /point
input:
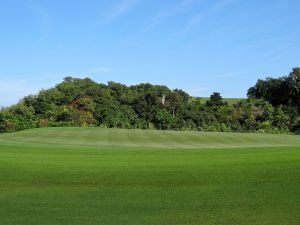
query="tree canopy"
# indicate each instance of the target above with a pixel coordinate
(279, 91)
(272, 106)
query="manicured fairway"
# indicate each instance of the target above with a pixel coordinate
(93, 176)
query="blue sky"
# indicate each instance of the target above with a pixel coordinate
(199, 46)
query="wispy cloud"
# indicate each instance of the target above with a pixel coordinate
(193, 21)
(199, 17)
(43, 18)
(179, 8)
(223, 4)
(192, 2)
(120, 9)
(163, 15)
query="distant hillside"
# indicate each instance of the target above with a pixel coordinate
(230, 101)
(85, 103)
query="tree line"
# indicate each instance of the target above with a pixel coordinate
(272, 106)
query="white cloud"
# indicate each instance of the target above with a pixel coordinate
(223, 4)
(194, 20)
(181, 7)
(199, 17)
(192, 2)
(122, 8)
(161, 16)
(44, 20)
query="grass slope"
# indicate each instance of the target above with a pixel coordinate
(108, 176)
(230, 101)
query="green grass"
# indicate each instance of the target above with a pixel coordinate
(92, 176)
(230, 101)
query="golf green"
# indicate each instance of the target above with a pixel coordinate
(94, 176)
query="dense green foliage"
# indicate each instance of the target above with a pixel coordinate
(83, 102)
(281, 91)
(91, 176)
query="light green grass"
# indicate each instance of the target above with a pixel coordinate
(92, 176)
(230, 101)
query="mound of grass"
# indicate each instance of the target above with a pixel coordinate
(230, 101)
(146, 139)
(90, 176)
